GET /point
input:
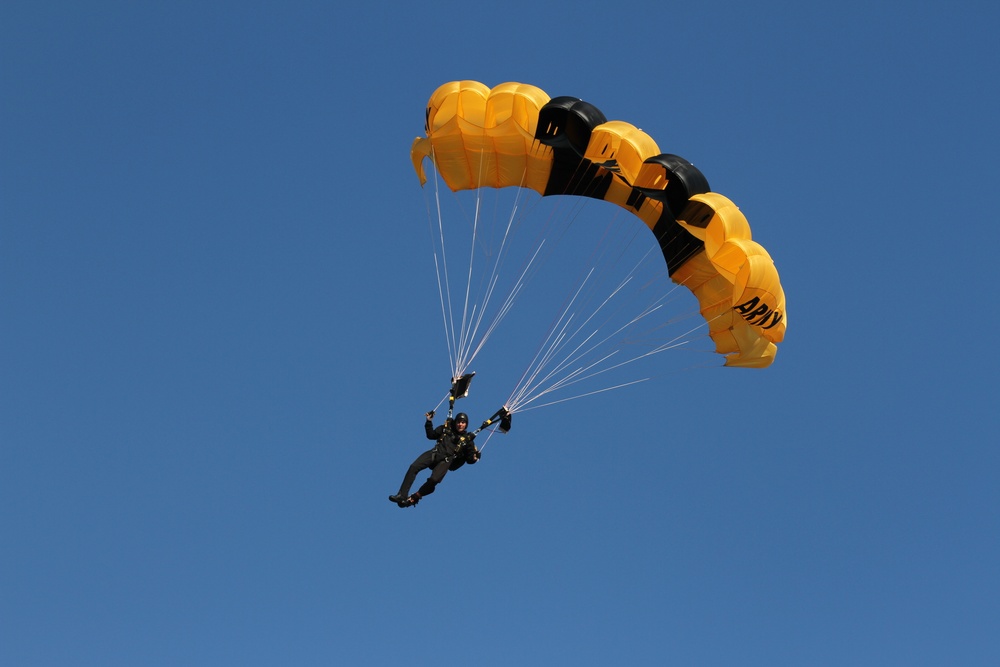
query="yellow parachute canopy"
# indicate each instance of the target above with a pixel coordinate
(515, 135)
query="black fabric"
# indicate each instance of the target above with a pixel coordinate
(428, 459)
(451, 443)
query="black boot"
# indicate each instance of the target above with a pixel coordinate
(399, 500)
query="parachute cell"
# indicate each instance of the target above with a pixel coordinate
(515, 135)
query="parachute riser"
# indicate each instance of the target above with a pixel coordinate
(501, 415)
(459, 389)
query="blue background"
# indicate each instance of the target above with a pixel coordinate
(219, 333)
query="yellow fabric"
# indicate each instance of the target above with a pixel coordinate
(623, 143)
(754, 288)
(483, 137)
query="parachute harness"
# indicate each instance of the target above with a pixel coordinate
(460, 389)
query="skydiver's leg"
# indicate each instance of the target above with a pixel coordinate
(422, 462)
(440, 470)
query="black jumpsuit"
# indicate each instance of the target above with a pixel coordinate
(452, 451)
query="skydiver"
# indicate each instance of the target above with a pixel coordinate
(454, 448)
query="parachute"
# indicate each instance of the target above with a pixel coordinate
(515, 135)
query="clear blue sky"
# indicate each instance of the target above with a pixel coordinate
(219, 331)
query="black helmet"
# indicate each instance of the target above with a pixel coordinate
(462, 417)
